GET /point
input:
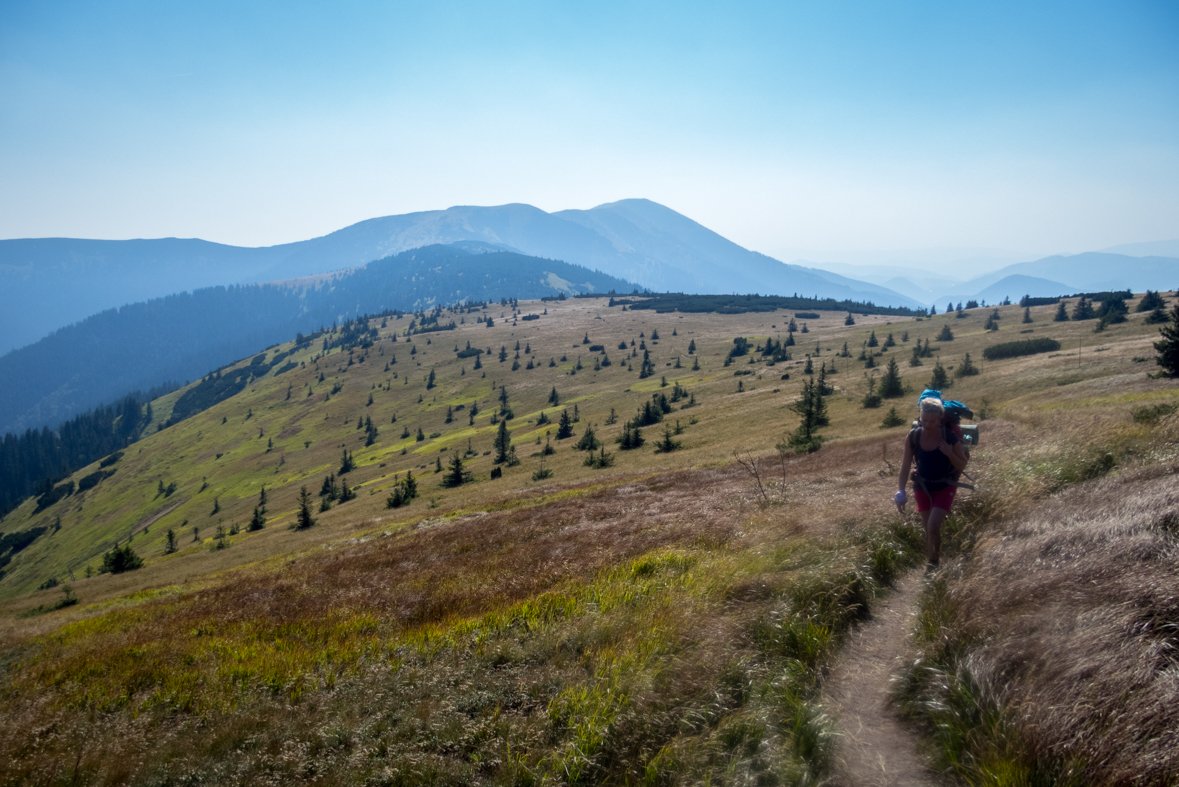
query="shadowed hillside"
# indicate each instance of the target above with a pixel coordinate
(183, 336)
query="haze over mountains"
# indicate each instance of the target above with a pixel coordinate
(103, 318)
(1058, 274)
(52, 282)
(182, 337)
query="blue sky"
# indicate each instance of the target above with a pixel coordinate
(783, 126)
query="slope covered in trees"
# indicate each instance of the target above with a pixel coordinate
(182, 337)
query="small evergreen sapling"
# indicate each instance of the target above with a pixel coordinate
(303, 519)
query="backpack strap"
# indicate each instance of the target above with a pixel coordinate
(918, 481)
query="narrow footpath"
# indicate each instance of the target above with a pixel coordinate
(874, 748)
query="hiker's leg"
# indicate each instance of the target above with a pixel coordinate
(925, 527)
(933, 533)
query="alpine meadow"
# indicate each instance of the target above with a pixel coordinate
(611, 539)
(459, 394)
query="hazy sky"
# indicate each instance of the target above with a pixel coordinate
(1030, 126)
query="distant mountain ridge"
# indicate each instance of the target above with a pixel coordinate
(51, 282)
(186, 335)
(1064, 275)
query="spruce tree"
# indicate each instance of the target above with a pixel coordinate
(1061, 314)
(667, 444)
(1150, 301)
(1027, 314)
(456, 474)
(966, 368)
(503, 443)
(631, 436)
(1083, 310)
(872, 399)
(589, 441)
(940, 379)
(806, 439)
(564, 426)
(303, 519)
(170, 543)
(946, 335)
(1168, 346)
(891, 386)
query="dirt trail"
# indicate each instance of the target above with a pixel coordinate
(875, 749)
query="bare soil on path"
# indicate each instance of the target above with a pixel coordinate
(875, 748)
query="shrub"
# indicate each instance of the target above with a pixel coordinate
(1017, 349)
(120, 559)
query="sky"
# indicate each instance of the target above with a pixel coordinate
(790, 128)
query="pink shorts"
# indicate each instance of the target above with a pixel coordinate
(943, 499)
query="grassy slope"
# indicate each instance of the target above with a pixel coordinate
(569, 544)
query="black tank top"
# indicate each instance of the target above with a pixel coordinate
(934, 467)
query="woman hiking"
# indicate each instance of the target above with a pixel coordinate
(940, 457)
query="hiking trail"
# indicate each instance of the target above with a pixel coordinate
(874, 748)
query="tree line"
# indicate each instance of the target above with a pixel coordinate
(30, 463)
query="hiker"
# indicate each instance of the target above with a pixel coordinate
(940, 457)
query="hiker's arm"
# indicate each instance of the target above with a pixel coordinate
(957, 455)
(906, 462)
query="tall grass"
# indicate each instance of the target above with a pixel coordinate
(689, 662)
(1047, 650)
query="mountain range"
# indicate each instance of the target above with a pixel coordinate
(94, 320)
(1058, 274)
(52, 282)
(183, 336)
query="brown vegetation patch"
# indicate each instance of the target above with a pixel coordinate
(1075, 616)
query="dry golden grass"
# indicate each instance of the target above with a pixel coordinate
(1051, 646)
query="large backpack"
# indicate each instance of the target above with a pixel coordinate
(954, 413)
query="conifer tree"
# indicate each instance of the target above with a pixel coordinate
(940, 379)
(946, 335)
(170, 542)
(806, 439)
(1061, 314)
(564, 426)
(872, 399)
(891, 386)
(872, 342)
(304, 520)
(1027, 314)
(667, 444)
(1083, 310)
(967, 367)
(631, 436)
(1168, 346)
(503, 443)
(589, 441)
(1150, 301)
